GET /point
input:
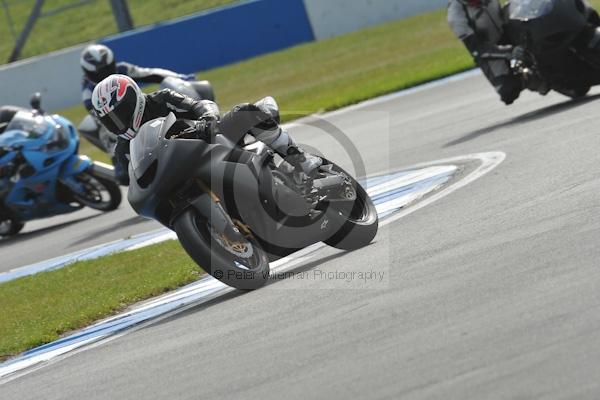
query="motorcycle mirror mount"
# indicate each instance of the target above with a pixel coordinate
(36, 102)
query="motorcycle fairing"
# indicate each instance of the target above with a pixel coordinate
(240, 179)
(550, 26)
(48, 157)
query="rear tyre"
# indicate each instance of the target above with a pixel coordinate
(10, 227)
(100, 194)
(242, 265)
(361, 221)
(576, 93)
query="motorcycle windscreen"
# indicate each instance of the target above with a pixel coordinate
(24, 126)
(144, 147)
(530, 9)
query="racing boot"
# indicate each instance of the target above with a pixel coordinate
(270, 132)
(285, 146)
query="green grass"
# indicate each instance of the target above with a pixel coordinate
(86, 23)
(40, 308)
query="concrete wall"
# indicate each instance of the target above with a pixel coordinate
(56, 75)
(331, 18)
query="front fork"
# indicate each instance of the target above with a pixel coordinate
(199, 196)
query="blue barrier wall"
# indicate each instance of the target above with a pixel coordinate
(217, 38)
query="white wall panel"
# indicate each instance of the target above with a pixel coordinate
(331, 18)
(57, 75)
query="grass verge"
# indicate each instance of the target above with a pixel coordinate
(39, 309)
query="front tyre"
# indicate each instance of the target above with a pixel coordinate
(98, 193)
(361, 221)
(242, 265)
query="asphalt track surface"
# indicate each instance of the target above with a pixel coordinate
(491, 292)
(53, 237)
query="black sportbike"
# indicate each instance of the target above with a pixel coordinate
(236, 208)
(558, 45)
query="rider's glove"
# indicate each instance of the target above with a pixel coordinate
(204, 128)
(518, 53)
(517, 58)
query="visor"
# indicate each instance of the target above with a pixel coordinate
(114, 124)
(119, 120)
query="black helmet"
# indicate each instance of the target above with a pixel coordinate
(119, 104)
(98, 62)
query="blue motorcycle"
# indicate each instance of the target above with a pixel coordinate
(41, 174)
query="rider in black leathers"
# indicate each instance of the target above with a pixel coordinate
(122, 108)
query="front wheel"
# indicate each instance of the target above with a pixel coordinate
(360, 219)
(98, 193)
(242, 265)
(10, 227)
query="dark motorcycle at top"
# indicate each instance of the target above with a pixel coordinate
(558, 45)
(236, 208)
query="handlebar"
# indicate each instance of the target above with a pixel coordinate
(497, 56)
(517, 65)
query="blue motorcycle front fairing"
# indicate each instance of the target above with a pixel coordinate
(45, 151)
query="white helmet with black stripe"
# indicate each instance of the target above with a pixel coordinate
(98, 62)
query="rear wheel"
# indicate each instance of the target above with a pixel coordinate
(241, 264)
(361, 221)
(99, 194)
(575, 93)
(10, 227)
